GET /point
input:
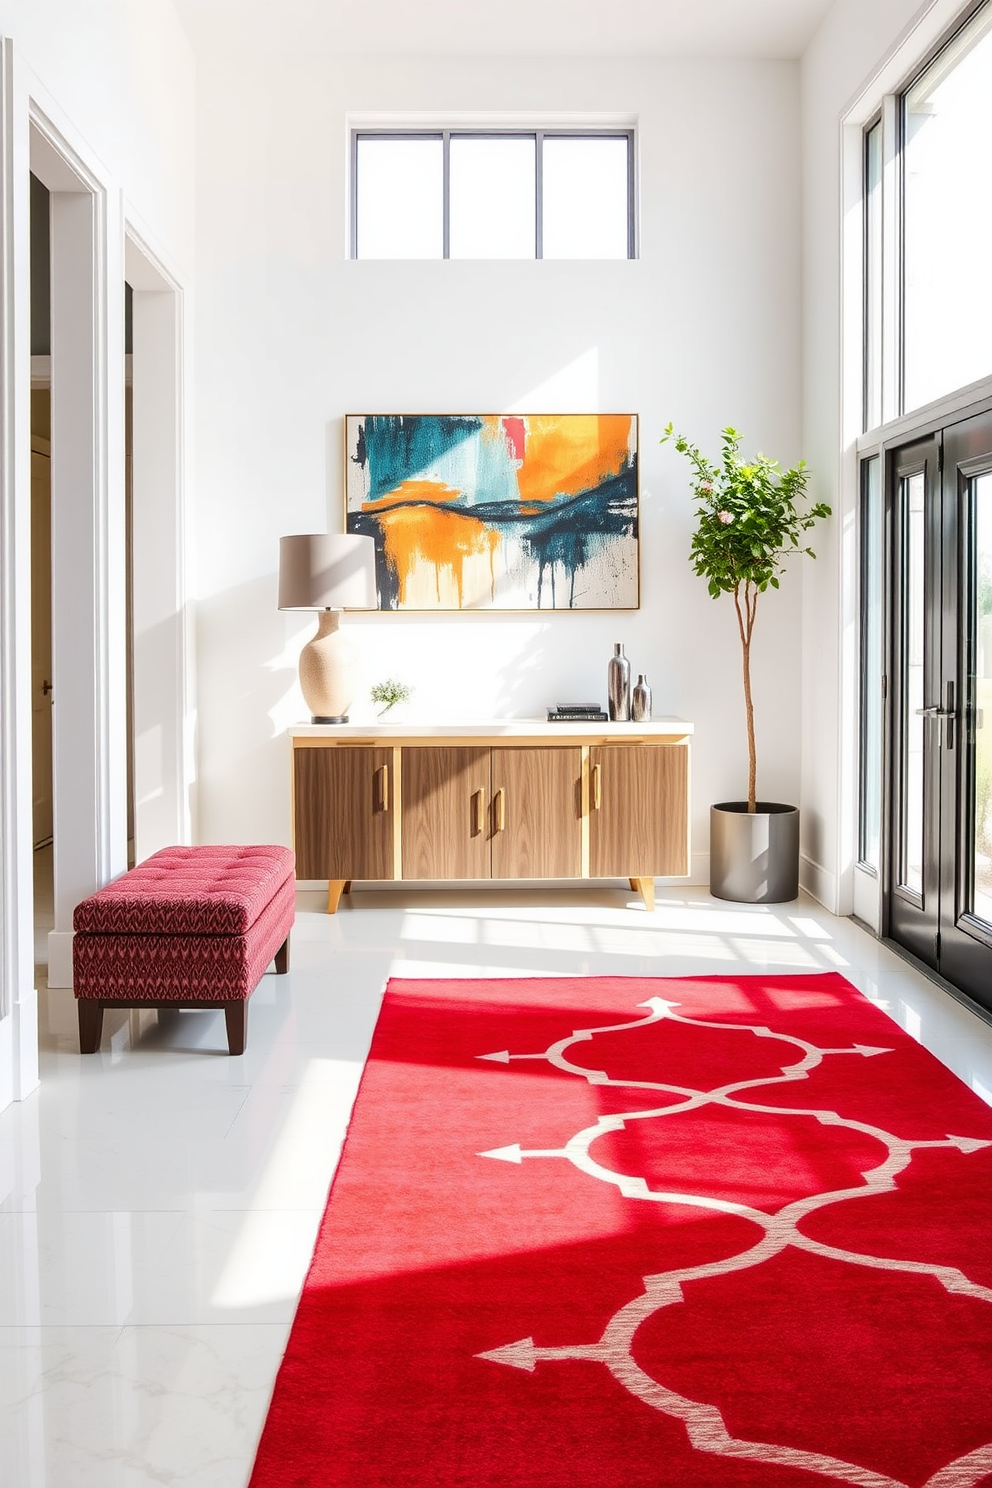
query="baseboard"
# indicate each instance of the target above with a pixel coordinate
(60, 958)
(25, 1015)
(819, 882)
(19, 1051)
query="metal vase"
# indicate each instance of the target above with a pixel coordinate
(640, 700)
(754, 858)
(618, 686)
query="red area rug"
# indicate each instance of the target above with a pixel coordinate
(624, 1232)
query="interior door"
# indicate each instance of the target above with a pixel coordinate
(41, 647)
(940, 843)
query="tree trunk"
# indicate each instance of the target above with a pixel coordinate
(752, 761)
(745, 623)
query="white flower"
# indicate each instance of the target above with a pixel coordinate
(725, 517)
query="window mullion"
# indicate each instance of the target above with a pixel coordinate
(446, 192)
(539, 194)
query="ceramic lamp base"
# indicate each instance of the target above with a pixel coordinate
(328, 670)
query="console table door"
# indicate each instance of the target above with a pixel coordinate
(536, 818)
(343, 810)
(638, 816)
(445, 812)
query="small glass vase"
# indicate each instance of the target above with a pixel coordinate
(640, 705)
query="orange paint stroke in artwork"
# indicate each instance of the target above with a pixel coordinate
(417, 535)
(563, 456)
(414, 490)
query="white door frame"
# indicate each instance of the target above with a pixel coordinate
(88, 544)
(18, 998)
(163, 770)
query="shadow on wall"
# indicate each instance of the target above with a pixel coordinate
(158, 750)
(244, 672)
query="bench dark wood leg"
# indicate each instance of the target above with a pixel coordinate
(90, 1011)
(282, 957)
(236, 1017)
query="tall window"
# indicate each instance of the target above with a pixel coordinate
(873, 276)
(495, 194)
(932, 286)
(947, 214)
(870, 793)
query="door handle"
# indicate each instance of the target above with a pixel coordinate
(479, 801)
(597, 787)
(382, 788)
(943, 715)
(499, 803)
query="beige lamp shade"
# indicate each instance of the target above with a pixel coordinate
(330, 573)
(327, 571)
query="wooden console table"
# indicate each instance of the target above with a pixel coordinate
(501, 801)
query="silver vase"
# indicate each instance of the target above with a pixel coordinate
(618, 686)
(640, 703)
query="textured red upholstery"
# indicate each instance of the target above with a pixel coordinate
(182, 967)
(190, 926)
(189, 891)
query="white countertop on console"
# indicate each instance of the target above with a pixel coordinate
(665, 727)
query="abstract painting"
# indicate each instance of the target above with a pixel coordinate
(497, 511)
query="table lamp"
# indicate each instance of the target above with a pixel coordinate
(328, 573)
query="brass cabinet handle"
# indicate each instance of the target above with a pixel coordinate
(499, 801)
(479, 800)
(597, 787)
(382, 788)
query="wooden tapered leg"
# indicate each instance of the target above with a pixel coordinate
(90, 1012)
(347, 886)
(335, 889)
(633, 884)
(644, 887)
(236, 1017)
(282, 958)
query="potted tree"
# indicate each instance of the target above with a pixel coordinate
(750, 517)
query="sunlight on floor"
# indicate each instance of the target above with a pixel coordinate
(159, 1201)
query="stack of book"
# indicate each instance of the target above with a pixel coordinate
(577, 713)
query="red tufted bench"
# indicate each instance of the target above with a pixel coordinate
(191, 927)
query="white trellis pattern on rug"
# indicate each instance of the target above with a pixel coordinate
(703, 1422)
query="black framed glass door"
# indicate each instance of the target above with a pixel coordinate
(939, 857)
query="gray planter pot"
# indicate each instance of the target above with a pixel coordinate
(754, 859)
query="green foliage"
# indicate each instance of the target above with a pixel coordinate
(389, 693)
(983, 774)
(749, 519)
(748, 516)
(983, 802)
(985, 586)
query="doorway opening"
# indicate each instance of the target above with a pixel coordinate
(42, 683)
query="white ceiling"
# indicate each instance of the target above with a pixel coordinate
(511, 28)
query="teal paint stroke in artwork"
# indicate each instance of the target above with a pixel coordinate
(560, 540)
(393, 448)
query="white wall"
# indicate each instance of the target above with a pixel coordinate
(704, 329)
(849, 48)
(121, 72)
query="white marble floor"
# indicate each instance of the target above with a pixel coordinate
(159, 1200)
